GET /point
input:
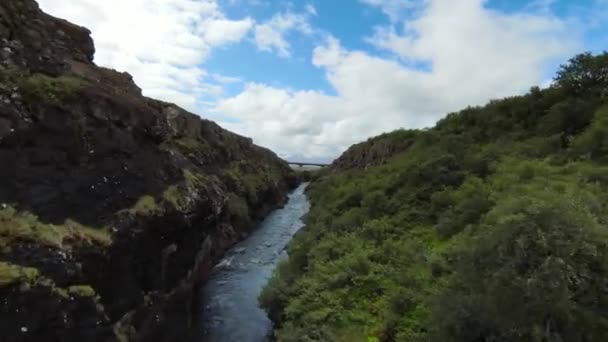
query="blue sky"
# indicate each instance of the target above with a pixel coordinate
(309, 78)
(351, 22)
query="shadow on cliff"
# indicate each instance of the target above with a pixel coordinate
(133, 199)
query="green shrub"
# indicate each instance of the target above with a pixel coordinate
(15, 226)
(81, 291)
(490, 226)
(173, 196)
(10, 274)
(238, 208)
(52, 90)
(530, 274)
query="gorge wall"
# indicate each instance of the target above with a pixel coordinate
(113, 206)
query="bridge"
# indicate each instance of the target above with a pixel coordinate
(302, 164)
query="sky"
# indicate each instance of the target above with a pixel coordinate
(308, 78)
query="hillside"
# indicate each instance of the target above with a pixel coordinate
(490, 226)
(113, 206)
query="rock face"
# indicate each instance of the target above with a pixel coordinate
(375, 151)
(113, 206)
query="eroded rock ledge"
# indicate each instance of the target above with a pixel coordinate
(113, 206)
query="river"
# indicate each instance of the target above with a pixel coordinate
(231, 311)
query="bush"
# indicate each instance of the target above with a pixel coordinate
(531, 274)
(488, 227)
(469, 203)
(238, 208)
(10, 274)
(593, 143)
(52, 90)
(81, 290)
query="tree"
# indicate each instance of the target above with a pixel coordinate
(585, 73)
(536, 272)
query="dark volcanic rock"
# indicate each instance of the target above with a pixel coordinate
(41, 313)
(119, 197)
(375, 151)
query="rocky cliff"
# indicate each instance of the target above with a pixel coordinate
(113, 206)
(375, 151)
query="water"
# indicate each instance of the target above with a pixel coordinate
(231, 312)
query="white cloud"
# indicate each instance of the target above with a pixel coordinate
(222, 31)
(311, 9)
(162, 43)
(476, 54)
(271, 36)
(223, 79)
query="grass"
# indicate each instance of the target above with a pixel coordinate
(172, 195)
(237, 207)
(194, 180)
(28, 277)
(80, 232)
(146, 205)
(24, 226)
(10, 274)
(50, 89)
(81, 291)
(250, 182)
(191, 145)
(175, 195)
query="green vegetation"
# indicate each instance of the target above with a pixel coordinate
(52, 90)
(10, 274)
(81, 291)
(175, 196)
(27, 277)
(250, 180)
(492, 226)
(237, 207)
(194, 180)
(192, 145)
(15, 226)
(146, 205)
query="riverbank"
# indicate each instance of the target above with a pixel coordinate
(230, 297)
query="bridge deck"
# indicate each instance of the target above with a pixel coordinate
(307, 164)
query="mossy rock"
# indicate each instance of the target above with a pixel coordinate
(145, 206)
(24, 226)
(11, 274)
(237, 207)
(192, 145)
(81, 291)
(10, 75)
(194, 180)
(250, 183)
(53, 90)
(148, 205)
(173, 196)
